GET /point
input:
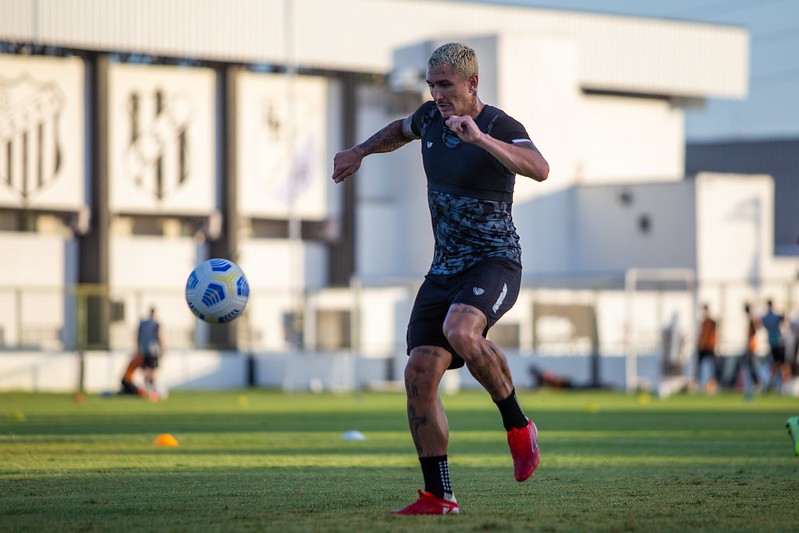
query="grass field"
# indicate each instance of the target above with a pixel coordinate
(264, 461)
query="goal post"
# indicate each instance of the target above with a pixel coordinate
(645, 289)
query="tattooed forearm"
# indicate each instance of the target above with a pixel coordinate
(387, 139)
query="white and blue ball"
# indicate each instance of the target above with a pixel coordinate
(217, 291)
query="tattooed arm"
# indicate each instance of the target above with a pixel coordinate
(388, 139)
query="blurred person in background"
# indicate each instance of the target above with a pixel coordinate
(149, 347)
(793, 360)
(748, 359)
(706, 351)
(471, 153)
(773, 323)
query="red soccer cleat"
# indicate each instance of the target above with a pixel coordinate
(523, 445)
(430, 504)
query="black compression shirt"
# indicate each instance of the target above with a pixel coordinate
(469, 192)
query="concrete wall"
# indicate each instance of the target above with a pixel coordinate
(146, 271)
(36, 269)
(735, 215)
(393, 235)
(649, 225)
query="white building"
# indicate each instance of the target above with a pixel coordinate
(205, 127)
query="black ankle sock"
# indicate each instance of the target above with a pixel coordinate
(436, 475)
(511, 411)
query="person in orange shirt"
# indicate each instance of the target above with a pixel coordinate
(706, 349)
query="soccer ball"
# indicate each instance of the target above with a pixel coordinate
(217, 291)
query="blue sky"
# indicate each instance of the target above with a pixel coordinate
(771, 109)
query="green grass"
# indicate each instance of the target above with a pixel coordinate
(264, 461)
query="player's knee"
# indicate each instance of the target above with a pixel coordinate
(463, 340)
(415, 371)
(420, 378)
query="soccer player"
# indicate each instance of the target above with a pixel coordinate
(774, 323)
(471, 153)
(706, 349)
(149, 346)
(748, 358)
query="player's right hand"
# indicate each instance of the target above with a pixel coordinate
(346, 163)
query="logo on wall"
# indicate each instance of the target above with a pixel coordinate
(301, 147)
(30, 150)
(158, 151)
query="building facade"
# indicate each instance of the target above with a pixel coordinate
(142, 137)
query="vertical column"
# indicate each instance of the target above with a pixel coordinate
(93, 268)
(342, 251)
(225, 335)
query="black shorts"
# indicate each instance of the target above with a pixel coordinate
(778, 354)
(150, 361)
(492, 285)
(150, 352)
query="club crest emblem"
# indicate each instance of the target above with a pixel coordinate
(158, 151)
(31, 156)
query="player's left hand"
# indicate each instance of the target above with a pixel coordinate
(464, 127)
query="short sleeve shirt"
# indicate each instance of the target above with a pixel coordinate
(148, 335)
(469, 192)
(773, 322)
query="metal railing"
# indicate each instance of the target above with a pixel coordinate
(362, 319)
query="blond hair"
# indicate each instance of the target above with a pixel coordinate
(460, 57)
